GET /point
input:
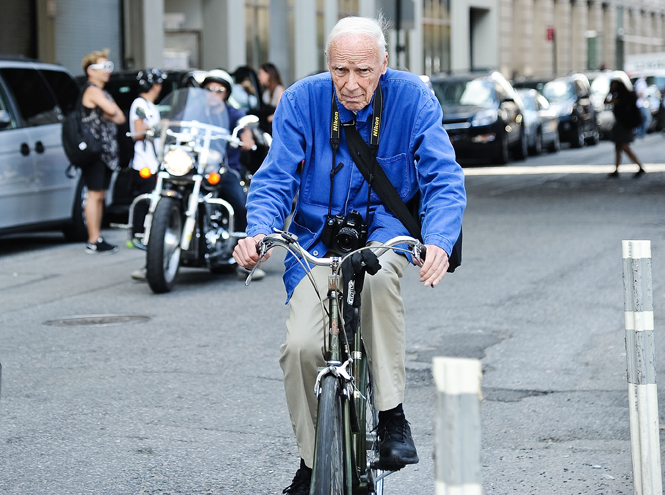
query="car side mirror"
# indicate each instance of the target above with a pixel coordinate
(246, 121)
(5, 119)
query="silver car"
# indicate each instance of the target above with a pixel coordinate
(35, 191)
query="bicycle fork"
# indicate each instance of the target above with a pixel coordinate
(353, 376)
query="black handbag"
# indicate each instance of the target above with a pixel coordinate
(361, 155)
(80, 145)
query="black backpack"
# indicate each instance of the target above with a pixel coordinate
(79, 143)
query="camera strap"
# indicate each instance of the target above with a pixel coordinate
(335, 140)
(364, 157)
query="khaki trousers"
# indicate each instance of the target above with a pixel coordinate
(382, 322)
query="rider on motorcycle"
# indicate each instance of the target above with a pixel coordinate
(220, 83)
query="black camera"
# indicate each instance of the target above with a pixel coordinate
(345, 234)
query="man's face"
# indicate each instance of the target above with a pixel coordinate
(218, 89)
(356, 65)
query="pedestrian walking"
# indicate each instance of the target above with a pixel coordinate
(100, 114)
(627, 117)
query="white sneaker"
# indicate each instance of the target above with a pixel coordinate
(139, 274)
(243, 273)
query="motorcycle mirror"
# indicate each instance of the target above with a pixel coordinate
(140, 113)
(246, 121)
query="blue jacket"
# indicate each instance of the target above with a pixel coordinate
(414, 151)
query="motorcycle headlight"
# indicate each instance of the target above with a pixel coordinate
(484, 117)
(178, 162)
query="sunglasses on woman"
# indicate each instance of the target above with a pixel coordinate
(105, 66)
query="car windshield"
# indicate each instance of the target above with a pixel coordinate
(477, 93)
(558, 90)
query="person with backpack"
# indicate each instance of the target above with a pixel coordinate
(100, 114)
(627, 118)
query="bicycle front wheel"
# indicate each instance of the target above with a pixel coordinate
(328, 473)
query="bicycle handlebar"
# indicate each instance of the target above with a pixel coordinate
(289, 241)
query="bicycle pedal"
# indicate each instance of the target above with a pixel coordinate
(386, 466)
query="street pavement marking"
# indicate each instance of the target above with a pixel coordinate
(562, 169)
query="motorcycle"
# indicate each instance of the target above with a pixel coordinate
(188, 223)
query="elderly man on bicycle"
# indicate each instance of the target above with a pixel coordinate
(310, 157)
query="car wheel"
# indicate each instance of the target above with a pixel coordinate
(522, 150)
(502, 157)
(578, 139)
(555, 146)
(537, 147)
(77, 229)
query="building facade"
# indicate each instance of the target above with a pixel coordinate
(427, 36)
(542, 38)
(538, 38)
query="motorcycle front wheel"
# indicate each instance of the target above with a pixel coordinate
(163, 256)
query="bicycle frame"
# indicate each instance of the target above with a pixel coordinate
(340, 355)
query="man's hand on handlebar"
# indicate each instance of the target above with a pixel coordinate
(434, 267)
(245, 252)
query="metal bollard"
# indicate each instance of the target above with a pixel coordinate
(457, 430)
(641, 368)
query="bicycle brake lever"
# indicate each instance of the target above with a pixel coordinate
(419, 254)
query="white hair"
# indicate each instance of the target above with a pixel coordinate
(360, 26)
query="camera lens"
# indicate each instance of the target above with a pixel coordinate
(347, 239)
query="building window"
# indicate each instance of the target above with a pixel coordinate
(436, 36)
(257, 25)
(321, 35)
(347, 8)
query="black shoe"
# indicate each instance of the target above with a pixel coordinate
(639, 173)
(301, 481)
(100, 247)
(613, 175)
(396, 447)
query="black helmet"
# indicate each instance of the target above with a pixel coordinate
(148, 78)
(219, 76)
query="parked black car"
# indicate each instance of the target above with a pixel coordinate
(570, 96)
(483, 116)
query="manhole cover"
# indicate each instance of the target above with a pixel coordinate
(97, 320)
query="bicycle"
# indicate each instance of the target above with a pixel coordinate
(346, 445)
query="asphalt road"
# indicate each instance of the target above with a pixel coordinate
(187, 398)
